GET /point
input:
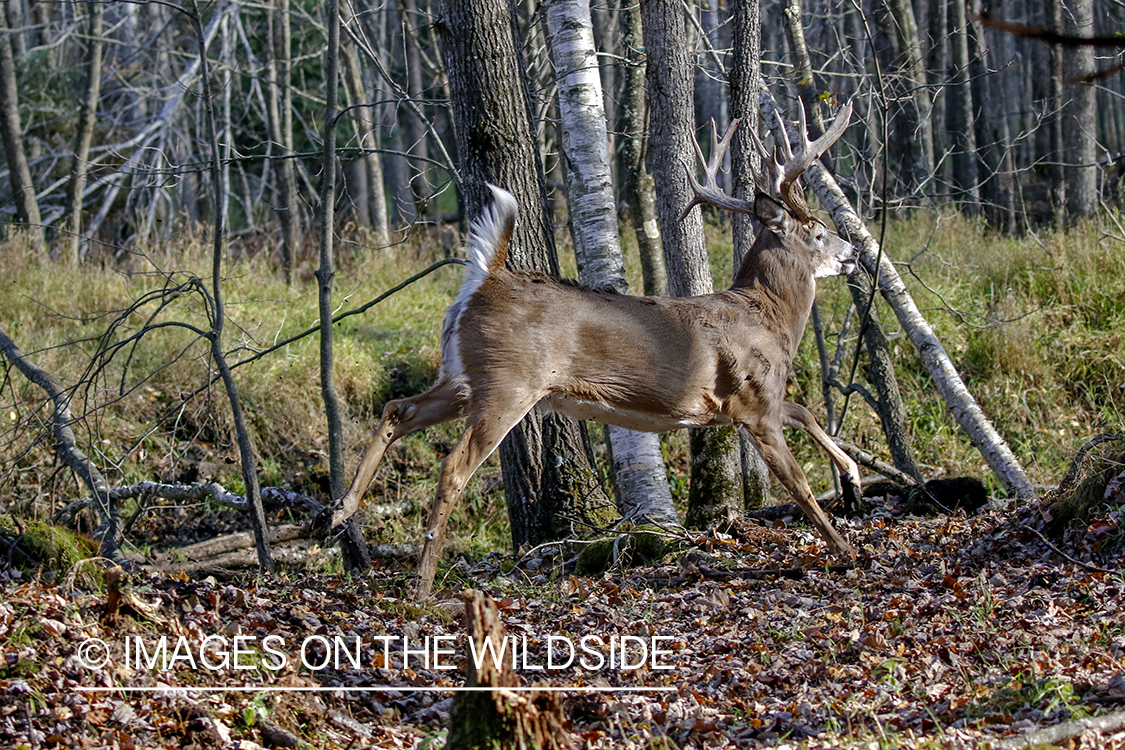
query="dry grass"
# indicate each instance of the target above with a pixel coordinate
(1034, 323)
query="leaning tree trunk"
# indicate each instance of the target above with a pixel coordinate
(546, 465)
(352, 547)
(716, 458)
(745, 79)
(218, 312)
(638, 461)
(881, 372)
(11, 130)
(961, 403)
(86, 120)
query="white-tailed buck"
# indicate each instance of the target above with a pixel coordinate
(513, 340)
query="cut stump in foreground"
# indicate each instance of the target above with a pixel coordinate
(501, 718)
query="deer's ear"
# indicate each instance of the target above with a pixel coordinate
(771, 213)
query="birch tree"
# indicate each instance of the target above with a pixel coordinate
(638, 463)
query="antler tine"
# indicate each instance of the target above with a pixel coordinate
(711, 193)
(809, 152)
(769, 177)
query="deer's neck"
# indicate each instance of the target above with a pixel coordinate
(775, 278)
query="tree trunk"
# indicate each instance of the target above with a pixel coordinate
(989, 127)
(11, 130)
(881, 375)
(638, 462)
(716, 460)
(545, 460)
(417, 129)
(637, 188)
(86, 119)
(744, 75)
(500, 719)
(937, 362)
(218, 311)
(1055, 123)
(280, 50)
(1080, 114)
(881, 371)
(366, 124)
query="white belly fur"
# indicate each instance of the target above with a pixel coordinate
(631, 420)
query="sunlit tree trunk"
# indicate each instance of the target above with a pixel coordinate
(638, 462)
(72, 242)
(1080, 114)
(11, 130)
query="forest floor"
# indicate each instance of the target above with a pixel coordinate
(949, 631)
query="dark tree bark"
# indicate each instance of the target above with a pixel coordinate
(745, 78)
(417, 130)
(218, 311)
(352, 547)
(545, 460)
(919, 158)
(73, 241)
(716, 476)
(637, 189)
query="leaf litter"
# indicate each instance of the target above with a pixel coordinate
(949, 631)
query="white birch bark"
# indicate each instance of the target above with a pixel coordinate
(961, 403)
(638, 463)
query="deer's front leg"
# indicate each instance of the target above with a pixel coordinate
(781, 462)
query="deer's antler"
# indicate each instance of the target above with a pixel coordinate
(774, 178)
(710, 193)
(789, 187)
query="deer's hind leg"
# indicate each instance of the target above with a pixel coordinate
(401, 417)
(798, 416)
(488, 424)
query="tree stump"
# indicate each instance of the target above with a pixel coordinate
(500, 718)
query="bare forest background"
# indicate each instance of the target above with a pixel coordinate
(987, 162)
